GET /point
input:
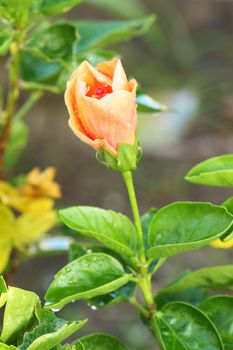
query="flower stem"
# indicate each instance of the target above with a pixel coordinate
(134, 205)
(145, 285)
(145, 278)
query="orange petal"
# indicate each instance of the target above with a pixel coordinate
(71, 102)
(112, 118)
(96, 144)
(120, 81)
(108, 67)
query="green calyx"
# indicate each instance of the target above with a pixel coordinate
(126, 159)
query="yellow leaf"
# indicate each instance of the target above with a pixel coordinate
(5, 251)
(31, 225)
(41, 184)
(7, 193)
(25, 204)
(3, 292)
(222, 245)
(41, 205)
(7, 223)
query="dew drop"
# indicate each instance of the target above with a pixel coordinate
(55, 309)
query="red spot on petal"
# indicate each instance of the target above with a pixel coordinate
(99, 91)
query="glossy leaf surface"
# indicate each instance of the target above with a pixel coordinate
(193, 296)
(217, 171)
(19, 312)
(145, 103)
(215, 278)
(123, 293)
(100, 341)
(113, 229)
(84, 278)
(184, 226)
(50, 332)
(220, 311)
(183, 327)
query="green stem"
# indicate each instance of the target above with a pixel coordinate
(28, 85)
(137, 221)
(145, 285)
(29, 103)
(133, 301)
(145, 278)
(13, 94)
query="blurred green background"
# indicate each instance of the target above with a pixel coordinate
(184, 61)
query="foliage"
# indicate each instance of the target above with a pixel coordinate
(120, 266)
(27, 325)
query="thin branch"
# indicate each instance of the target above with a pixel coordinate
(29, 103)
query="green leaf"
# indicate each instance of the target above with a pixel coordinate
(146, 221)
(146, 103)
(3, 292)
(113, 229)
(6, 37)
(7, 347)
(55, 7)
(98, 341)
(219, 277)
(53, 41)
(97, 56)
(17, 142)
(16, 12)
(75, 251)
(88, 248)
(99, 34)
(84, 278)
(50, 332)
(228, 204)
(123, 8)
(184, 327)
(184, 226)
(217, 171)
(39, 70)
(66, 347)
(123, 293)
(19, 312)
(192, 296)
(220, 311)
